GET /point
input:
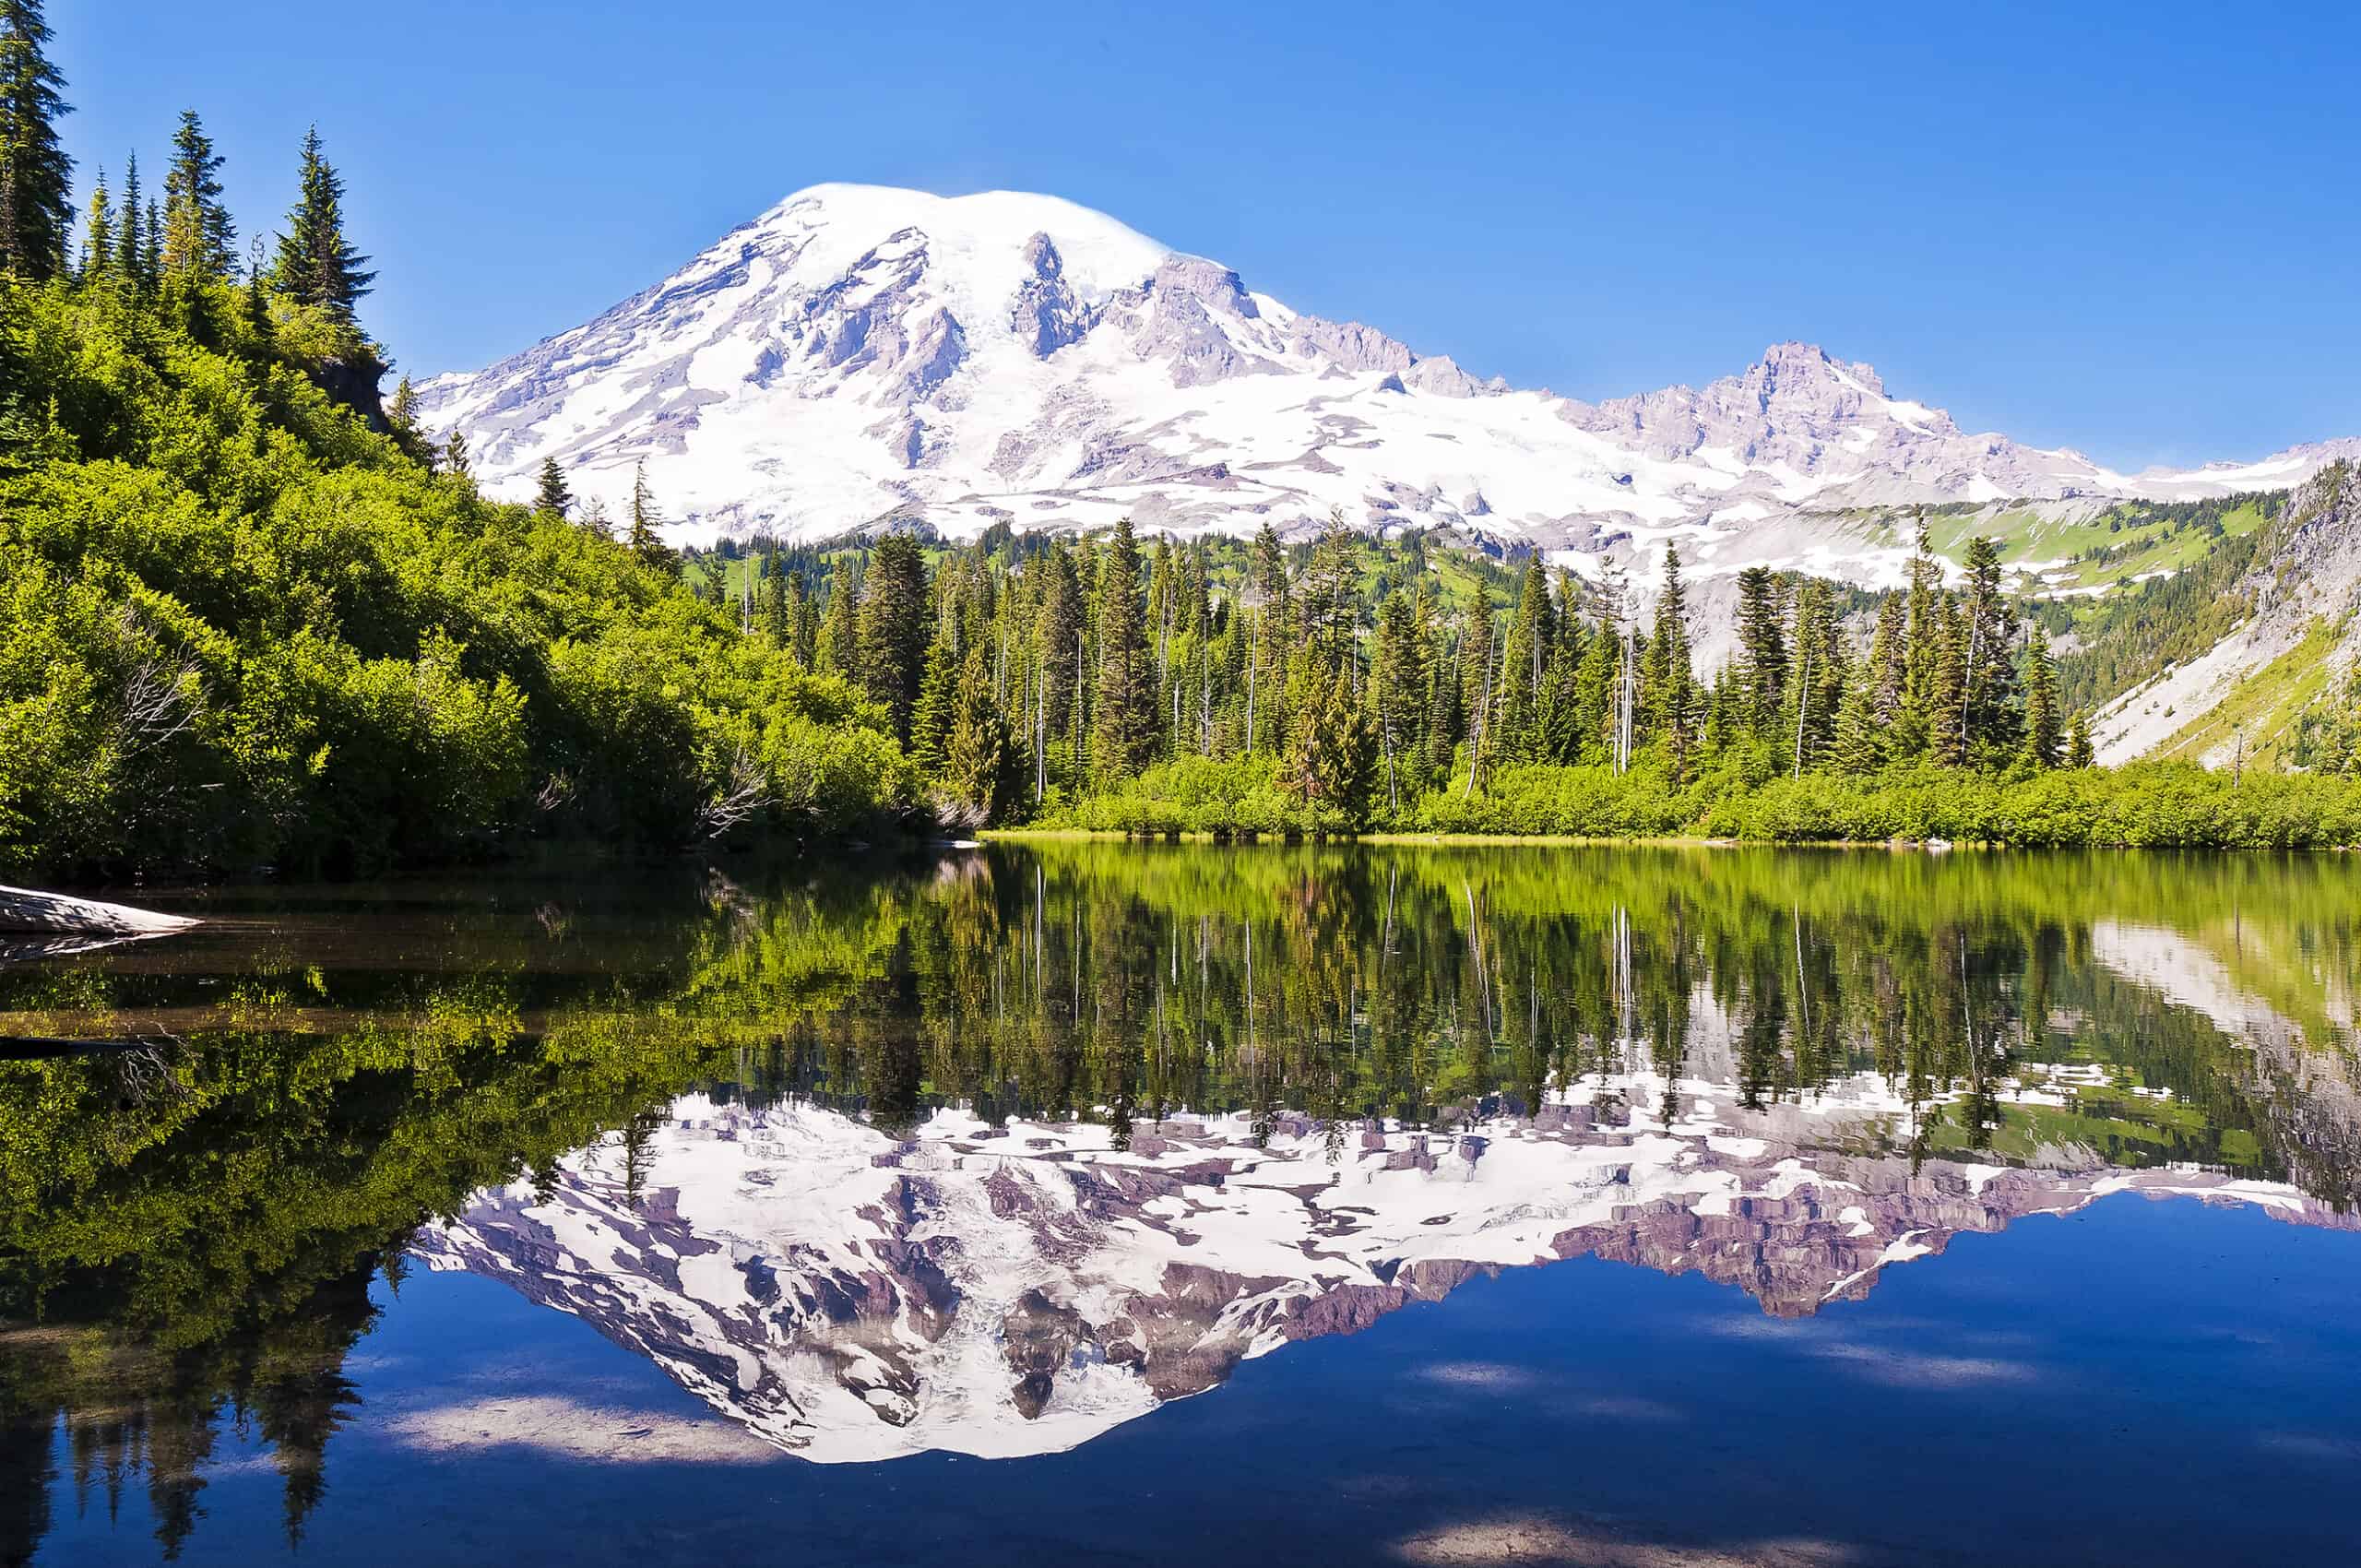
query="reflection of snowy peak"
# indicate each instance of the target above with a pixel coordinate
(1010, 1290)
(859, 351)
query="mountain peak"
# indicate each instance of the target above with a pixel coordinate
(860, 351)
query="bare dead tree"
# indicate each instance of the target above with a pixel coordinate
(745, 789)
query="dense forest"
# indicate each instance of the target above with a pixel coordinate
(249, 617)
(251, 614)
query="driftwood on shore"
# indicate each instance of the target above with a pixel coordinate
(55, 914)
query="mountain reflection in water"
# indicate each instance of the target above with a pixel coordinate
(993, 1153)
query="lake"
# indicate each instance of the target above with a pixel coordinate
(1081, 1202)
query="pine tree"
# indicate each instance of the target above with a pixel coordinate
(838, 652)
(455, 455)
(1762, 649)
(930, 718)
(1922, 644)
(1947, 688)
(130, 262)
(97, 236)
(316, 264)
(2042, 737)
(2079, 753)
(1989, 658)
(642, 538)
(1667, 680)
(976, 763)
(894, 628)
(200, 241)
(151, 248)
(401, 416)
(36, 175)
(1531, 631)
(1124, 735)
(553, 497)
(1859, 746)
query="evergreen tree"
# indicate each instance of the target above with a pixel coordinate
(200, 241)
(2042, 729)
(97, 236)
(1667, 680)
(316, 264)
(1399, 690)
(1922, 643)
(1857, 747)
(130, 261)
(838, 652)
(642, 538)
(36, 176)
(551, 497)
(1532, 630)
(894, 628)
(930, 718)
(401, 416)
(1947, 688)
(1762, 649)
(1124, 734)
(975, 764)
(151, 248)
(1328, 760)
(2079, 753)
(1988, 657)
(455, 457)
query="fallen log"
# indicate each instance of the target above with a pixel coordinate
(55, 914)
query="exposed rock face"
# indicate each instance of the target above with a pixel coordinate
(858, 351)
(1003, 1290)
(2313, 578)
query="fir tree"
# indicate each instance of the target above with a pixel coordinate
(2042, 739)
(402, 412)
(1947, 688)
(130, 258)
(976, 763)
(1124, 733)
(1762, 649)
(97, 236)
(642, 538)
(1666, 677)
(551, 497)
(931, 718)
(455, 455)
(1857, 748)
(36, 175)
(838, 650)
(894, 628)
(316, 264)
(200, 241)
(1531, 631)
(2079, 753)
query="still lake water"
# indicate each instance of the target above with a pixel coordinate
(1086, 1203)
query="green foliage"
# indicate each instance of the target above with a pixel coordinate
(236, 627)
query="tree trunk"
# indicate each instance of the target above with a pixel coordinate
(55, 914)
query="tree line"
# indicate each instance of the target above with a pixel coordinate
(1026, 675)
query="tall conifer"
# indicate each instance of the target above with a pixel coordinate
(36, 175)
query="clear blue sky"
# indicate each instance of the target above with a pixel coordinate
(2130, 228)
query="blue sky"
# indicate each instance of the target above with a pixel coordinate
(2133, 229)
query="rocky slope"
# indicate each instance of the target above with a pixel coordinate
(2297, 647)
(858, 353)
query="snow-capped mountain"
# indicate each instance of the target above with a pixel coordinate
(1006, 1289)
(858, 353)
